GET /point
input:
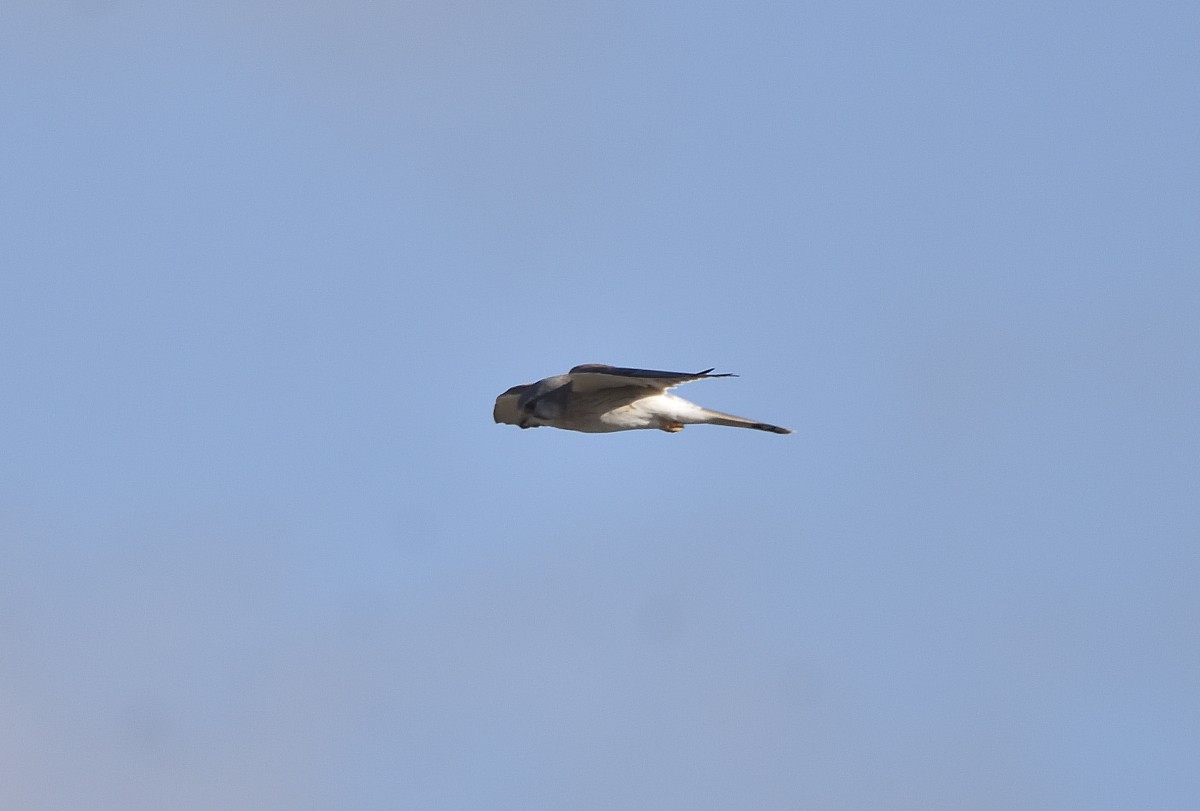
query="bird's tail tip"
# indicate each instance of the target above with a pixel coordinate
(717, 418)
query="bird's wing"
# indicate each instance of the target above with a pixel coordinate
(596, 376)
(506, 406)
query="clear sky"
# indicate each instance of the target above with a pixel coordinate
(265, 265)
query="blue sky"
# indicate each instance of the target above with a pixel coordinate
(266, 265)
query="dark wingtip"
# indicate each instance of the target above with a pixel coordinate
(708, 373)
(775, 429)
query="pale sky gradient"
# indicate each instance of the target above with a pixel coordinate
(265, 265)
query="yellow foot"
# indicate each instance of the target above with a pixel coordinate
(672, 427)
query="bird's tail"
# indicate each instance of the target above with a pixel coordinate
(717, 418)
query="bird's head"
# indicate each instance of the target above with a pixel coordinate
(507, 408)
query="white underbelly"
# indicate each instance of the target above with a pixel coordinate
(650, 412)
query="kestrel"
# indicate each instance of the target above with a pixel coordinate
(596, 398)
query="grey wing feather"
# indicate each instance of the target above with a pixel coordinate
(593, 376)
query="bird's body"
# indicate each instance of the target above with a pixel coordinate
(595, 398)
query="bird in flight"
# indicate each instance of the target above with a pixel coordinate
(596, 398)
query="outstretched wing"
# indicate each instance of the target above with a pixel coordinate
(596, 376)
